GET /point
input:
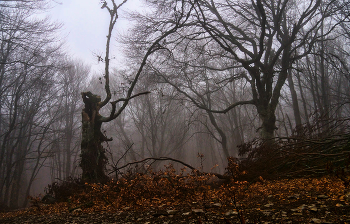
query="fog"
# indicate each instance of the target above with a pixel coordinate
(204, 88)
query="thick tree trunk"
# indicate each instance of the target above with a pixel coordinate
(93, 158)
(268, 126)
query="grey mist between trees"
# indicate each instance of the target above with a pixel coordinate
(199, 79)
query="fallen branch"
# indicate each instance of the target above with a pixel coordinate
(194, 170)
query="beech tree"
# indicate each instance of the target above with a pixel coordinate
(66, 139)
(257, 41)
(161, 121)
(29, 57)
(93, 158)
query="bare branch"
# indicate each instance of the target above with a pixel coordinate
(196, 171)
(111, 117)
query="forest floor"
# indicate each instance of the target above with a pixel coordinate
(303, 200)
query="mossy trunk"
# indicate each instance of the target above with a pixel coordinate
(93, 158)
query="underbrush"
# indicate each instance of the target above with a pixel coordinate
(311, 151)
(198, 196)
(146, 190)
(315, 158)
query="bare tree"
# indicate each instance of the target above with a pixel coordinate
(29, 57)
(93, 158)
(262, 40)
(323, 84)
(71, 79)
(21, 4)
(161, 120)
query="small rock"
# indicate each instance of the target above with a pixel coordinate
(231, 212)
(77, 210)
(217, 204)
(197, 211)
(314, 220)
(268, 205)
(313, 208)
(171, 212)
(322, 196)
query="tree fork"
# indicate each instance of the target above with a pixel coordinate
(93, 158)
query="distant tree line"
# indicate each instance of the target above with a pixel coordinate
(39, 101)
(237, 70)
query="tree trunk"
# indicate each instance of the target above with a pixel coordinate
(93, 158)
(306, 114)
(295, 102)
(223, 140)
(268, 126)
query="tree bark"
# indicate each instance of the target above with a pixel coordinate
(296, 110)
(223, 140)
(93, 158)
(268, 126)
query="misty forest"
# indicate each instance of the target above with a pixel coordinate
(221, 111)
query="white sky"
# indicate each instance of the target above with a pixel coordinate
(85, 28)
